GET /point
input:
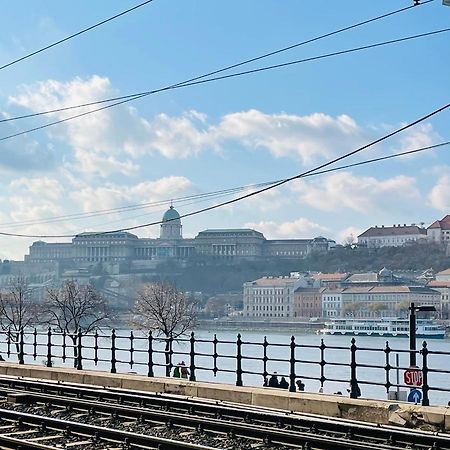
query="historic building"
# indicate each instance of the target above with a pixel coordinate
(122, 246)
(395, 236)
(270, 297)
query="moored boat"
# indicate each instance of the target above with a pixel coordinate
(386, 327)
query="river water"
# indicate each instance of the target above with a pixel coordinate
(336, 369)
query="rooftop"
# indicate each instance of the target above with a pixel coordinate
(443, 224)
(395, 230)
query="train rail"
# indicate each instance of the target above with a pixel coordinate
(137, 420)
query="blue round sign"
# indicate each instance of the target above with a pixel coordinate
(415, 396)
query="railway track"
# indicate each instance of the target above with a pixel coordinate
(84, 417)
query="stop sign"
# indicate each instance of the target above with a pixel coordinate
(413, 377)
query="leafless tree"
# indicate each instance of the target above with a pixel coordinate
(76, 308)
(161, 308)
(17, 310)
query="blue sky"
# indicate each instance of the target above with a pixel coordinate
(229, 133)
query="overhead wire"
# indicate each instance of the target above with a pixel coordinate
(199, 198)
(78, 33)
(307, 173)
(233, 75)
(137, 95)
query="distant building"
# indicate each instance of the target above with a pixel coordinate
(444, 275)
(395, 236)
(330, 280)
(439, 231)
(376, 301)
(270, 297)
(444, 288)
(91, 248)
(308, 302)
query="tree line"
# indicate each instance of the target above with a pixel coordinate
(77, 310)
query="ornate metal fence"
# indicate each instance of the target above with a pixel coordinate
(234, 360)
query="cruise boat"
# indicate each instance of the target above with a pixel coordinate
(386, 327)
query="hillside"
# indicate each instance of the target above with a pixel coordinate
(219, 277)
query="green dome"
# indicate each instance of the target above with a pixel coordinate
(171, 214)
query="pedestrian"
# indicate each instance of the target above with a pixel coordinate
(354, 391)
(283, 383)
(300, 385)
(265, 382)
(273, 380)
(184, 371)
(176, 371)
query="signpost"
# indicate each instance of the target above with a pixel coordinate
(413, 377)
(415, 396)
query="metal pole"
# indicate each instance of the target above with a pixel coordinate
(412, 335)
(397, 363)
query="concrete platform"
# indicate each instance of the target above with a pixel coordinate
(432, 418)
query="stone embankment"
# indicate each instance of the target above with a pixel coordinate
(432, 418)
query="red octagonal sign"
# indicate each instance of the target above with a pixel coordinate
(413, 377)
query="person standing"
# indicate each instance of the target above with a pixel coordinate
(273, 380)
(184, 371)
(300, 385)
(283, 383)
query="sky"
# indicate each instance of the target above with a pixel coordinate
(224, 134)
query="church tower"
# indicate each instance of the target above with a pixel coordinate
(171, 226)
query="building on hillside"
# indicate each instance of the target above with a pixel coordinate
(378, 301)
(395, 236)
(270, 297)
(383, 277)
(329, 280)
(225, 244)
(439, 231)
(308, 302)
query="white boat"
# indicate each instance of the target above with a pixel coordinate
(386, 327)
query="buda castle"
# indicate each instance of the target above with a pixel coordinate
(99, 247)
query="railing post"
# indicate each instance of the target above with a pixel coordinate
(131, 349)
(113, 351)
(354, 388)
(239, 360)
(388, 367)
(150, 355)
(215, 355)
(265, 359)
(49, 347)
(169, 353)
(9, 343)
(292, 387)
(34, 344)
(322, 363)
(79, 349)
(21, 356)
(425, 370)
(96, 347)
(192, 356)
(64, 346)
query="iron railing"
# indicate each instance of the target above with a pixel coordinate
(235, 361)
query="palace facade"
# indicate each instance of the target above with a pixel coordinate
(218, 243)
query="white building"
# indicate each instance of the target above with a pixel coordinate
(270, 297)
(395, 236)
(439, 231)
(332, 303)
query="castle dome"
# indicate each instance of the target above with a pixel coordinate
(170, 215)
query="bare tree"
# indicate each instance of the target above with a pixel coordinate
(74, 309)
(17, 310)
(161, 308)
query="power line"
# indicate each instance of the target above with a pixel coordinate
(233, 66)
(198, 198)
(233, 75)
(308, 173)
(85, 30)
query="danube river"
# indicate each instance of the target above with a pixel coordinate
(335, 361)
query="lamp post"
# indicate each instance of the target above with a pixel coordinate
(412, 330)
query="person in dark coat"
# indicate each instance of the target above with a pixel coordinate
(300, 385)
(273, 380)
(283, 383)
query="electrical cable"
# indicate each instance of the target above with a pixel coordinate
(232, 66)
(259, 191)
(197, 198)
(233, 75)
(75, 35)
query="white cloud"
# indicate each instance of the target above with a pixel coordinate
(343, 235)
(306, 138)
(297, 229)
(363, 194)
(422, 135)
(112, 196)
(440, 194)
